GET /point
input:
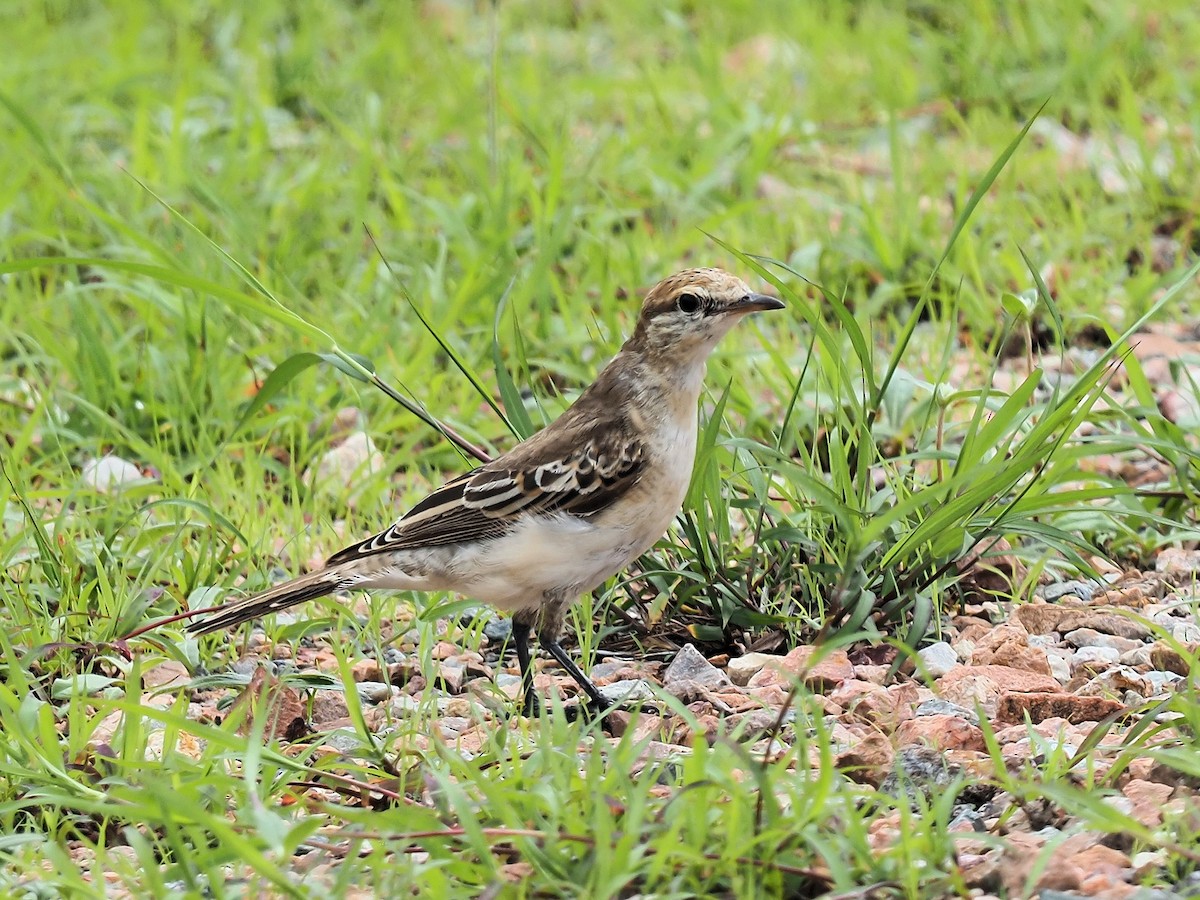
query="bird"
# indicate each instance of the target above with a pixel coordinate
(569, 507)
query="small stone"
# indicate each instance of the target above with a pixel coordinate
(366, 670)
(968, 685)
(454, 725)
(944, 732)
(109, 474)
(689, 664)
(1096, 658)
(1089, 637)
(1060, 666)
(1013, 707)
(628, 691)
(867, 760)
(939, 707)
(830, 669)
(1139, 657)
(1148, 798)
(1039, 618)
(1166, 658)
(1021, 656)
(1105, 620)
(865, 700)
(1144, 864)
(452, 674)
(1081, 589)
(1186, 632)
(937, 659)
(375, 691)
(167, 674)
(920, 768)
(741, 669)
(1178, 565)
(346, 465)
(1116, 682)
(498, 629)
(1161, 681)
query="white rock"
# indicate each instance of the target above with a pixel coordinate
(1186, 632)
(742, 668)
(110, 473)
(937, 659)
(1060, 668)
(1087, 655)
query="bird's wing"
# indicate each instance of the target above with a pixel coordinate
(536, 477)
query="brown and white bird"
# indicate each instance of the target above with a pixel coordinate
(563, 511)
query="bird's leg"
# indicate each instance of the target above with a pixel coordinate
(520, 635)
(555, 649)
(550, 625)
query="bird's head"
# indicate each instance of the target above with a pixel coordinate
(687, 314)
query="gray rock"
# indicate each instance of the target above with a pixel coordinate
(1138, 657)
(1090, 637)
(1161, 682)
(939, 707)
(690, 665)
(627, 691)
(937, 659)
(454, 725)
(498, 630)
(375, 691)
(1100, 656)
(1082, 589)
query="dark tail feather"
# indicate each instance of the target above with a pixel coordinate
(282, 596)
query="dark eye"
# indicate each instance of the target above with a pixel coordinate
(688, 303)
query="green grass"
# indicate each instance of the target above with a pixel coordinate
(563, 157)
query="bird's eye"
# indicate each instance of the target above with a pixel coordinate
(688, 303)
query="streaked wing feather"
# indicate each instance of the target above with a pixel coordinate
(485, 503)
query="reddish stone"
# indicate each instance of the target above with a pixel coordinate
(1022, 656)
(1040, 618)
(867, 760)
(1014, 706)
(1148, 798)
(944, 732)
(821, 671)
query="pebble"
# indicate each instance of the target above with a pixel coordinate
(498, 629)
(741, 669)
(1089, 637)
(938, 659)
(375, 691)
(1091, 655)
(1186, 632)
(1060, 667)
(939, 707)
(689, 664)
(1081, 589)
(109, 474)
(627, 691)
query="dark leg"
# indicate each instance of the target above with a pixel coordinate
(555, 649)
(520, 636)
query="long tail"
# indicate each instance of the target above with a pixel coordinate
(282, 596)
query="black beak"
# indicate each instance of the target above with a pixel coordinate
(755, 303)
